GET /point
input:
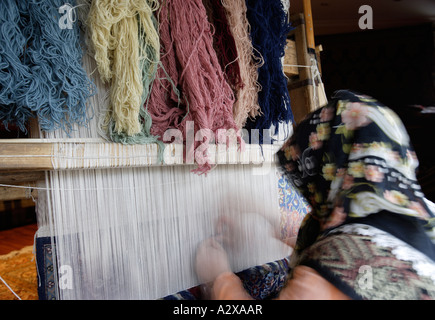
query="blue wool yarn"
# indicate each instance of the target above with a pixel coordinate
(269, 30)
(15, 76)
(41, 74)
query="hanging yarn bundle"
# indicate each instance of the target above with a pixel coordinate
(126, 45)
(203, 95)
(246, 104)
(40, 67)
(269, 29)
(167, 107)
(223, 42)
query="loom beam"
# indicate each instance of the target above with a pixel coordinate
(44, 155)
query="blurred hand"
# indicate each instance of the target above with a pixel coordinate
(227, 232)
(211, 261)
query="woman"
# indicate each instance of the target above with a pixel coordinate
(370, 234)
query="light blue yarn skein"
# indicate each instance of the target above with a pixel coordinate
(40, 67)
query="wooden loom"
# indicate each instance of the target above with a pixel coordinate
(26, 162)
(34, 155)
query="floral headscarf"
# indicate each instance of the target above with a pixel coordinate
(350, 159)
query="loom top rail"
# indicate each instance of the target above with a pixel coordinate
(51, 154)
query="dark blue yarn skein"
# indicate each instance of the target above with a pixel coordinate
(269, 30)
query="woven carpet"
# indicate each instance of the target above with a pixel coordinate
(18, 269)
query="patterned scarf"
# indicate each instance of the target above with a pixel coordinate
(352, 159)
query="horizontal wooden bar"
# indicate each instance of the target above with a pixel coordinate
(32, 155)
(18, 191)
(14, 177)
(25, 156)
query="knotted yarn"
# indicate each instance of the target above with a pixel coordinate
(40, 67)
(126, 45)
(269, 30)
(202, 95)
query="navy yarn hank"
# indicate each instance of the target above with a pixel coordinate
(269, 29)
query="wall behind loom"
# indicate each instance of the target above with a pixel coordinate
(396, 66)
(393, 65)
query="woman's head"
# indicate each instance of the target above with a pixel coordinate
(353, 158)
